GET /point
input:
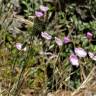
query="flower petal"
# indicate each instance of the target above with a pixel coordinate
(92, 56)
(43, 8)
(74, 60)
(46, 35)
(89, 35)
(80, 52)
(39, 14)
(58, 41)
(19, 46)
(66, 40)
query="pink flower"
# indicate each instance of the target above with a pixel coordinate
(89, 35)
(39, 14)
(58, 41)
(92, 56)
(19, 47)
(43, 8)
(66, 40)
(80, 52)
(74, 60)
(46, 35)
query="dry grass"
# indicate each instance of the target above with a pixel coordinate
(87, 88)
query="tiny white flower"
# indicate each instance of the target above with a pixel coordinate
(92, 56)
(46, 35)
(80, 52)
(74, 60)
(24, 49)
(58, 41)
(19, 47)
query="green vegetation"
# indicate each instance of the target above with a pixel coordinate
(39, 45)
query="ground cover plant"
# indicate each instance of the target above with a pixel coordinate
(47, 47)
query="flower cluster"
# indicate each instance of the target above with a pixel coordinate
(43, 9)
(81, 53)
(78, 52)
(58, 41)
